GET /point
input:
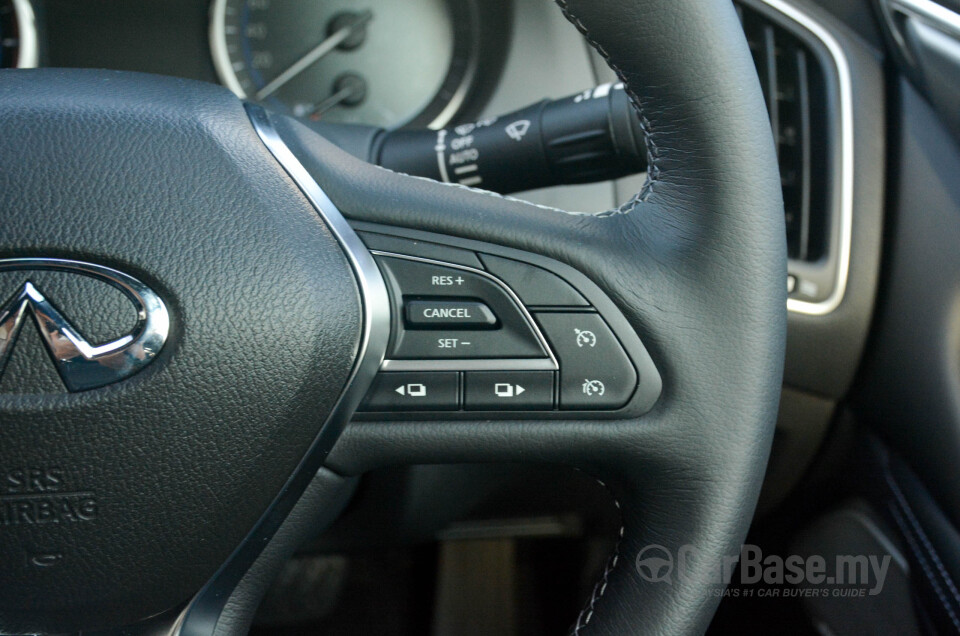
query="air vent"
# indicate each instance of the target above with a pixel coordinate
(794, 88)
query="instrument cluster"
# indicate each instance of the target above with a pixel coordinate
(388, 63)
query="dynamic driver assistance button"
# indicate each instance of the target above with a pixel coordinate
(534, 286)
(508, 390)
(414, 391)
(595, 372)
(448, 313)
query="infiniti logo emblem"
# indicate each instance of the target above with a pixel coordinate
(81, 365)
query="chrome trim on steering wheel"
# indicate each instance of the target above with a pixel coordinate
(202, 615)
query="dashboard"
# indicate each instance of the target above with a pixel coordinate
(442, 63)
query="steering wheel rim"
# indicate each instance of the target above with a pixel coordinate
(695, 261)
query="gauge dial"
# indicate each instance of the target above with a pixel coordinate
(18, 35)
(378, 62)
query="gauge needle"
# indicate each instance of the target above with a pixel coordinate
(313, 55)
(349, 89)
(332, 101)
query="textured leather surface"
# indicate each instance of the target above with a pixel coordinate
(930, 541)
(697, 264)
(318, 507)
(166, 180)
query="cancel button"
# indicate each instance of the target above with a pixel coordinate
(447, 313)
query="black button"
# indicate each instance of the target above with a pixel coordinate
(444, 344)
(534, 286)
(449, 313)
(414, 280)
(508, 390)
(414, 391)
(420, 248)
(595, 372)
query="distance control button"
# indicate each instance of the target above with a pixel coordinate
(413, 247)
(508, 390)
(595, 372)
(413, 391)
(448, 313)
(534, 285)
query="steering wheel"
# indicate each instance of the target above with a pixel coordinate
(174, 472)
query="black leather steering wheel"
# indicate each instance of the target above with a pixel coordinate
(153, 485)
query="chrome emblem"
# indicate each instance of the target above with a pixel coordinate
(81, 365)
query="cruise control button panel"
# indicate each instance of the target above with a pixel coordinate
(414, 282)
(494, 330)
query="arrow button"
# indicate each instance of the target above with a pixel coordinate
(414, 391)
(508, 390)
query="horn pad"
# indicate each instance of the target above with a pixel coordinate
(120, 497)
